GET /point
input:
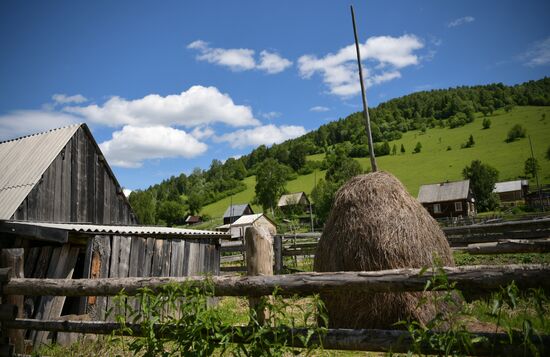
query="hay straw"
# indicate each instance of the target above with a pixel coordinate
(375, 224)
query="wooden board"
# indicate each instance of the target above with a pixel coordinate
(62, 267)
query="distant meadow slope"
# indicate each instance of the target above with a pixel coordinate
(435, 163)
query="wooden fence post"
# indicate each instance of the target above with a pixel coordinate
(13, 258)
(278, 254)
(259, 261)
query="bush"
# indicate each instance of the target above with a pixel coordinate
(516, 132)
(486, 123)
(417, 148)
(469, 143)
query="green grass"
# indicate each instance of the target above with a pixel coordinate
(434, 163)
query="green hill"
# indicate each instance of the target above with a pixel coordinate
(435, 163)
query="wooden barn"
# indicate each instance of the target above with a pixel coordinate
(294, 201)
(234, 212)
(448, 199)
(510, 192)
(61, 203)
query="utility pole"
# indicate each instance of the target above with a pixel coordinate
(536, 174)
(364, 96)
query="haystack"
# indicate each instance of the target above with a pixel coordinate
(375, 224)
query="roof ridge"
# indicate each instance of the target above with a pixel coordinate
(40, 133)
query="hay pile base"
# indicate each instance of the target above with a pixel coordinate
(375, 224)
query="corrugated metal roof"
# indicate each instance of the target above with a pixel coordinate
(290, 199)
(24, 160)
(509, 186)
(121, 230)
(247, 219)
(236, 210)
(446, 191)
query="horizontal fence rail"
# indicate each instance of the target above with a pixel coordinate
(374, 340)
(478, 278)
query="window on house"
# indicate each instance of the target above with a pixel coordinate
(437, 208)
(458, 206)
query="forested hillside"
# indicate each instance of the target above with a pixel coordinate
(170, 201)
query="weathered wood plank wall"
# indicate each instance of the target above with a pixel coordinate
(77, 187)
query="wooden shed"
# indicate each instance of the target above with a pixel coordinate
(294, 201)
(238, 228)
(510, 192)
(448, 199)
(61, 203)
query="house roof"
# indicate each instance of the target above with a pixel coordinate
(236, 210)
(24, 160)
(446, 191)
(291, 199)
(509, 186)
(193, 219)
(249, 219)
(28, 227)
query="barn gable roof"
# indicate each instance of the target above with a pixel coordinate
(446, 191)
(24, 160)
(236, 210)
(291, 199)
(249, 219)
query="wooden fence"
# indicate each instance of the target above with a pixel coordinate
(531, 236)
(484, 278)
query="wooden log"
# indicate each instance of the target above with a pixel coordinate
(478, 278)
(396, 341)
(259, 262)
(508, 246)
(5, 274)
(13, 258)
(232, 258)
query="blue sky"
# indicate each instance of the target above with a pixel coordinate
(168, 86)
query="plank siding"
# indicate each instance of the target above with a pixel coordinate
(77, 187)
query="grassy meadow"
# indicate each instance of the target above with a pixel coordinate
(435, 163)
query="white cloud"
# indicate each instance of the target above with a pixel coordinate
(126, 192)
(272, 62)
(131, 146)
(461, 21)
(197, 106)
(538, 53)
(200, 133)
(266, 134)
(339, 71)
(319, 109)
(240, 59)
(66, 99)
(24, 122)
(270, 115)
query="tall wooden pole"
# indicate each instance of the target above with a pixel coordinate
(364, 96)
(536, 174)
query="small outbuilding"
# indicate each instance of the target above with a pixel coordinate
(510, 192)
(448, 199)
(234, 212)
(292, 201)
(238, 228)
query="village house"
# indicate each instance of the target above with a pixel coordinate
(294, 201)
(234, 212)
(448, 199)
(510, 192)
(62, 204)
(193, 220)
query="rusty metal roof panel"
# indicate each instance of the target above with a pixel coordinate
(24, 160)
(442, 192)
